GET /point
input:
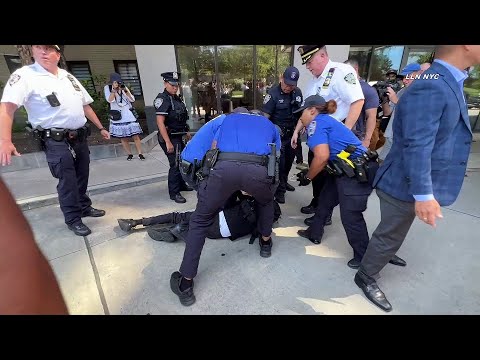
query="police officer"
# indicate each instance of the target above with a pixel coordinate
(327, 139)
(331, 80)
(57, 105)
(239, 161)
(192, 156)
(172, 116)
(278, 105)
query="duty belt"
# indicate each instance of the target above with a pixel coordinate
(250, 158)
(59, 134)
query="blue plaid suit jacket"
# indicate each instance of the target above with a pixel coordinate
(431, 142)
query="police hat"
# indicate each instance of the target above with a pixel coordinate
(172, 77)
(307, 51)
(312, 100)
(291, 75)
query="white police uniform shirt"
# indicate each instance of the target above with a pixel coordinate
(30, 85)
(343, 87)
(122, 104)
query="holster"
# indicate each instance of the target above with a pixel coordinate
(209, 161)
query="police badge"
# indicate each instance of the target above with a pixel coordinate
(13, 79)
(158, 102)
(350, 78)
(267, 98)
(298, 99)
(175, 75)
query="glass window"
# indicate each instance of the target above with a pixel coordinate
(362, 54)
(81, 70)
(13, 62)
(128, 70)
(418, 56)
(383, 59)
(472, 96)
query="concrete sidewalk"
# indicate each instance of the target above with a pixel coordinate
(110, 272)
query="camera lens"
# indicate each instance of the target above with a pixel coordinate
(122, 86)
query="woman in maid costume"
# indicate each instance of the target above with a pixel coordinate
(123, 119)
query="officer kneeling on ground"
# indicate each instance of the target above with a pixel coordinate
(351, 169)
(237, 219)
(243, 157)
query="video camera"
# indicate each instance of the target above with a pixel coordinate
(382, 86)
(121, 84)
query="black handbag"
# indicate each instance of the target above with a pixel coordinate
(115, 115)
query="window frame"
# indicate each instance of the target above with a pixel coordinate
(81, 62)
(116, 63)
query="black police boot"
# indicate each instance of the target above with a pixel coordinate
(186, 188)
(161, 234)
(128, 224)
(265, 247)
(310, 208)
(372, 291)
(186, 297)
(307, 235)
(280, 197)
(178, 198)
(80, 229)
(289, 187)
(354, 264)
(309, 221)
(93, 212)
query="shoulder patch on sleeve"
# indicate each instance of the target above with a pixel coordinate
(267, 98)
(13, 79)
(311, 128)
(158, 102)
(350, 78)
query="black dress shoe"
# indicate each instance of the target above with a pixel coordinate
(280, 198)
(265, 247)
(93, 212)
(372, 291)
(186, 188)
(309, 209)
(306, 235)
(178, 198)
(289, 187)
(353, 264)
(126, 224)
(80, 229)
(187, 296)
(395, 260)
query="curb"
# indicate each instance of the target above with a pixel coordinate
(52, 199)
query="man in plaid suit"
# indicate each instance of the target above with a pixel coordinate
(427, 162)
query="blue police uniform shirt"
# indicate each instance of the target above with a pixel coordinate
(202, 141)
(325, 129)
(247, 133)
(281, 105)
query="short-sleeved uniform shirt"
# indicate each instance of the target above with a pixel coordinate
(198, 146)
(341, 86)
(247, 133)
(325, 129)
(280, 106)
(31, 84)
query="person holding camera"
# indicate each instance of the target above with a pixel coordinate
(57, 105)
(407, 74)
(123, 122)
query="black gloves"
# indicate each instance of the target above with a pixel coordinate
(302, 178)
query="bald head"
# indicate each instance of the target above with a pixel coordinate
(460, 56)
(354, 63)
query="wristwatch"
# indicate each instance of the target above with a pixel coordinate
(102, 129)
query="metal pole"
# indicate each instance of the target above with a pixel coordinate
(217, 82)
